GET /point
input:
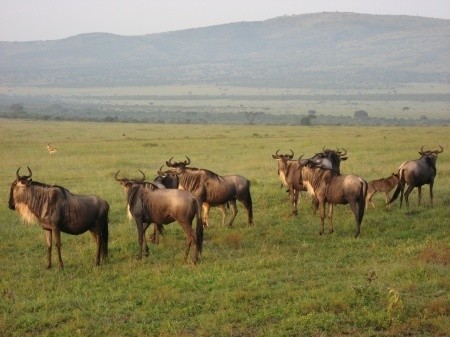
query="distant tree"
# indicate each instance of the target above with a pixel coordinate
(361, 114)
(110, 119)
(307, 120)
(405, 108)
(17, 108)
(312, 113)
(423, 118)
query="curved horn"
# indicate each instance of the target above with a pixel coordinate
(437, 151)
(343, 154)
(276, 153)
(169, 162)
(421, 150)
(160, 172)
(143, 175)
(29, 173)
(187, 162)
(115, 176)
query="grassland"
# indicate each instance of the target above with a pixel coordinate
(277, 278)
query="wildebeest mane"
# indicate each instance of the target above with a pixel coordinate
(318, 174)
(40, 197)
(193, 177)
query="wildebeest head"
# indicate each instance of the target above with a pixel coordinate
(178, 164)
(282, 159)
(428, 152)
(430, 155)
(17, 185)
(283, 156)
(329, 159)
(126, 182)
(166, 178)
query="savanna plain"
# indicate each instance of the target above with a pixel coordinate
(275, 278)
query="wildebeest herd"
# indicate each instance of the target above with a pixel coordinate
(181, 192)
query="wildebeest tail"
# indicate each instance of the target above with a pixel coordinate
(399, 187)
(105, 232)
(199, 229)
(362, 200)
(250, 208)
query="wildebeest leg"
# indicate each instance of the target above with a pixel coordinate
(234, 212)
(206, 207)
(330, 217)
(355, 209)
(98, 243)
(322, 216)
(315, 204)
(402, 192)
(369, 200)
(224, 213)
(293, 193)
(407, 192)
(145, 247)
(387, 198)
(57, 235)
(48, 238)
(431, 192)
(419, 193)
(157, 230)
(190, 238)
(141, 238)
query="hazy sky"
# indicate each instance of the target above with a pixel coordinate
(26, 20)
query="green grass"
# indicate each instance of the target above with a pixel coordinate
(277, 278)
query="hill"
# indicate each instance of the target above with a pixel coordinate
(312, 50)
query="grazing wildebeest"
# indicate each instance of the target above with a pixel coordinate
(383, 185)
(328, 186)
(58, 210)
(164, 206)
(213, 189)
(417, 173)
(172, 181)
(289, 173)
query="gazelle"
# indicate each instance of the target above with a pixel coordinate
(51, 149)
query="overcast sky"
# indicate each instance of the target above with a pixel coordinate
(28, 20)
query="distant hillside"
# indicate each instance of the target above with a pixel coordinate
(311, 50)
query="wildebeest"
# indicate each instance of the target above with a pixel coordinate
(213, 189)
(172, 181)
(329, 159)
(417, 173)
(158, 228)
(58, 210)
(289, 173)
(383, 185)
(328, 186)
(164, 206)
